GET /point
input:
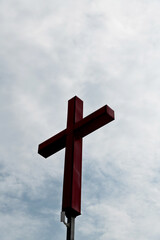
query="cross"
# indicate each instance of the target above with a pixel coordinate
(71, 139)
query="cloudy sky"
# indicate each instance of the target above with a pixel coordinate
(105, 52)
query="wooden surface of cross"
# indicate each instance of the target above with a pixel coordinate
(71, 139)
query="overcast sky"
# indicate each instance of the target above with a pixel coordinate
(104, 52)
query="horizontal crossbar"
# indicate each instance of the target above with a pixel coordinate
(81, 129)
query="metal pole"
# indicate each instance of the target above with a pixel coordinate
(70, 228)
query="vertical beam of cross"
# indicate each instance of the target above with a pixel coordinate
(71, 202)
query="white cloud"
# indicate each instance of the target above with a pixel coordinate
(106, 52)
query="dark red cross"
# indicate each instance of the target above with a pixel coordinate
(71, 138)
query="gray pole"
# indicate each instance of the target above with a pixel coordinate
(70, 228)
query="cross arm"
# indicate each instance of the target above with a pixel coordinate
(81, 129)
(53, 144)
(94, 121)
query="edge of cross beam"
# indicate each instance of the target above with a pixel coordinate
(53, 144)
(94, 121)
